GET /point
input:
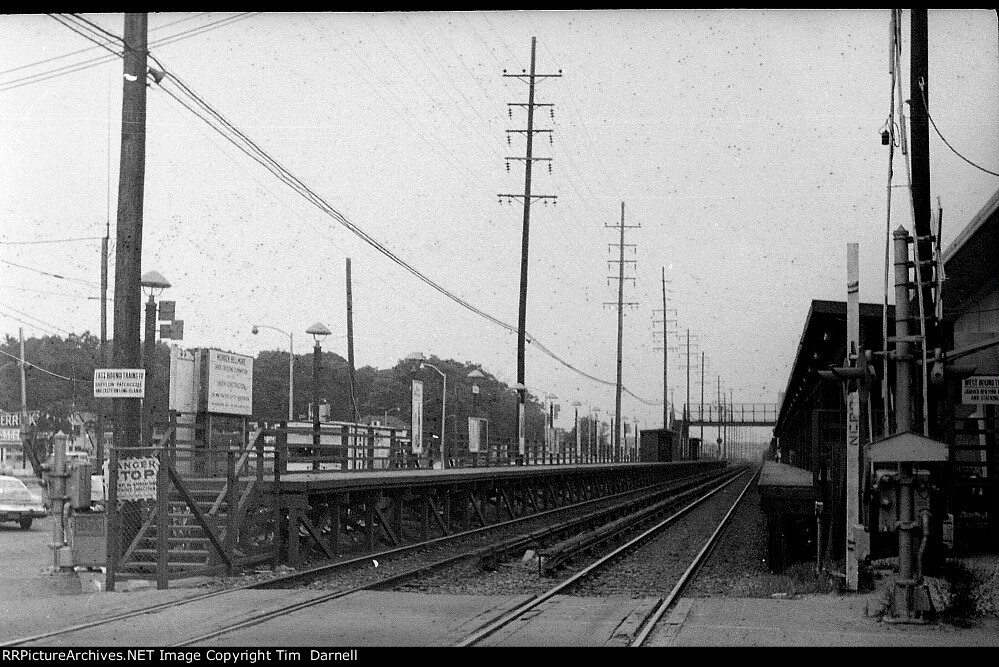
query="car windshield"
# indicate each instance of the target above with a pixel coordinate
(13, 489)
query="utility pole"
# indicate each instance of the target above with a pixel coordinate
(620, 323)
(700, 411)
(24, 407)
(665, 333)
(686, 416)
(919, 93)
(720, 416)
(128, 267)
(731, 404)
(527, 197)
(350, 345)
(102, 403)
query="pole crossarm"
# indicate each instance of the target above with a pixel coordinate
(520, 197)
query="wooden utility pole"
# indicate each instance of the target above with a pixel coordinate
(527, 197)
(620, 277)
(919, 130)
(665, 333)
(128, 262)
(350, 346)
(25, 446)
(102, 403)
(700, 410)
(720, 417)
(686, 419)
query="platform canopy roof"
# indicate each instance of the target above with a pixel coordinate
(823, 345)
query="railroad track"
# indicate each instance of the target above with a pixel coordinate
(375, 580)
(648, 625)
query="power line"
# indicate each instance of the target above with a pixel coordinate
(39, 324)
(51, 275)
(101, 60)
(926, 107)
(44, 370)
(79, 238)
(238, 138)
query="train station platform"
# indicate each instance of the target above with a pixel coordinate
(336, 508)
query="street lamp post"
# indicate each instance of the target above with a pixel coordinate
(291, 366)
(548, 451)
(153, 283)
(575, 456)
(596, 434)
(418, 356)
(319, 332)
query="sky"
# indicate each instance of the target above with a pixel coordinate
(744, 145)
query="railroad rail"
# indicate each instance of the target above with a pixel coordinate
(521, 610)
(492, 550)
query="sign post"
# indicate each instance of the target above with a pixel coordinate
(854, 358)
(417, 420)
(117, 383)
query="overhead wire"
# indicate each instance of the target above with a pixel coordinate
(72, 68)
(44, 370)
(41, 323)
(245, 144)
(51, 275)
(71, 240)
(926, 108)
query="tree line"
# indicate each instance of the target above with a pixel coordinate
(60, 371)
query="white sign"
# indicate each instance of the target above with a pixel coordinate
(230, 383)
(14, 418)
(417, 417)
(137, 478)
(980, 389)
(478, 429)
(183, 380)
(119, 383)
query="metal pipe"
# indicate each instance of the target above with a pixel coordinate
(924, 520)
(903, 423)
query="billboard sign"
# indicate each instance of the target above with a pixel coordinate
(417, 424)
(478, 434)
(229, 388)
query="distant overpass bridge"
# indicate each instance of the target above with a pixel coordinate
(736, 414)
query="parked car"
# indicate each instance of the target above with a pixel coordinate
(18, 504)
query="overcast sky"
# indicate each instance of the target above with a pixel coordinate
(744, 143)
